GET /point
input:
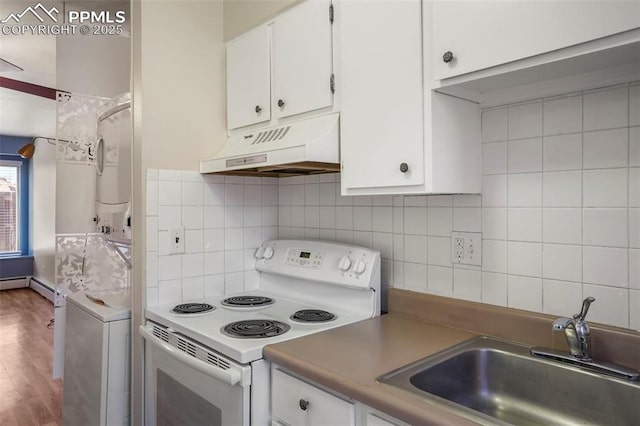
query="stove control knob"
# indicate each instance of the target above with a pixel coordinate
(345, 263)
(268, 253)
(360, 266)
(259, 254)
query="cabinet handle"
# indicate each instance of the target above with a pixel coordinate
(303, 404)
(448, 57)
(258, 109)
(404, 167)
(280, 103)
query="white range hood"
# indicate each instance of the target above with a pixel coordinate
(304, 147)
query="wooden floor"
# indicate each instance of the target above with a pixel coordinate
(28, 394)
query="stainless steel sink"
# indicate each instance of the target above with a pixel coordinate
(494, 381)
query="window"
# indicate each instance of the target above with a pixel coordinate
(13, 209)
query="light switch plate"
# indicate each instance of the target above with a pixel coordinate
(466, 248)
(176, 241)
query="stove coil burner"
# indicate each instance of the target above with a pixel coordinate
(312, 315)
(247, 301)
(255, 329)
(192, 308)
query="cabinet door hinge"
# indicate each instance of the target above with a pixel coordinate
(332, 83)
(331, 13)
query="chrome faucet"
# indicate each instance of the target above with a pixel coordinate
(577, 332)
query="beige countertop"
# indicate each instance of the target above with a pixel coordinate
(349, 359)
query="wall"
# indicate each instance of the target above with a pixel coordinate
(225, 220)
(242, 15)
(559, 214)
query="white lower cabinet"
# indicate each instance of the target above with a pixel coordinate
(297, 403)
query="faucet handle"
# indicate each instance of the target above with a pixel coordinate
(585, 308)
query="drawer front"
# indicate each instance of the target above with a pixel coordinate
(297, 403)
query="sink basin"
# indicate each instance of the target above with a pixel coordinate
(494, 381)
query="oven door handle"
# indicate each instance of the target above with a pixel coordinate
(230, 377)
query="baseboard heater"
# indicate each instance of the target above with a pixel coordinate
(42, 287)
(11, 283)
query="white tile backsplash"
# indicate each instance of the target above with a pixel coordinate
(559, 216)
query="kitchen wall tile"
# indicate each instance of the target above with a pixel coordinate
(562, 189)
(560, 297)
(169, 193)
(634, 187)
(562, 226)
(152, 174)
(634, 228)
(284, 195)
(233, 216)
(386, 274)
(233, 238)
(494, 288)
(284, 215)
(525, 155)
(169, 267)
(214, 194)
(193, 288)
(214, 285)
(342, 200)
(439, 251)
(439, 221)
(214, 217)
(415, 201)
(327, 194)
(312, 194)
(269, 233)
(605, 227)
(525, 190)
(234, 283)
(494, 191)
(611, 305)
(192, 194)
(344, 217)
(311, 216)
(344, 236)
(152, 233)
(251, 280)
(562, 152)
(415, 220)
(362, 218)
(194, 241)
(297, 195)
(214, 263)
(606, 266)
(170, 175)
(383, 200)
(605, 188)
(525, 293)
(152, 269)
(525, 121)
(233, 261)
(169, 217)
(415, 249)
(297, 216)
(440, 201)
(163, 243)
(562, 115)
(440, 280)
(234, 179)
(467, 219)
(398, 275)
(562, 262)
(192, 217)
(634, 146)
(415, 277)
(494, 125)
(398, 220)
(525, 259)
(233, 194)
(634, 269)
(327, 217)
(634, 105)
(525, 224)
(634, 309)
(327, 234)
(252, 237)
(213, 178)
(398, 247)
(467, 284)
(383, 242)
(363, 200)
(382, 219)
(252, 195)
(269, 215)
(494, 223)
(361, 238)
(152, 198)
(328, 177)
(269, 195)
(494, 256)
(605, 149)
(464, 200)
(605, 109)
(169, 292)
(152, 297)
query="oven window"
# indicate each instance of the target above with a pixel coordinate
(177, 405)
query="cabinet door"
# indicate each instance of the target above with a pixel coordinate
(302, 57)
(482, 34)
(381, 102)
(248, 79)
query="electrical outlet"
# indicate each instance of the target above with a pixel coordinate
(466, 248)
(176, 241)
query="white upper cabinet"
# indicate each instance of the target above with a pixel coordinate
(302, 59)
(473, 35)
(248, 79)
(281, 68)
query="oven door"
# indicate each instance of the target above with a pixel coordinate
(189, 384)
